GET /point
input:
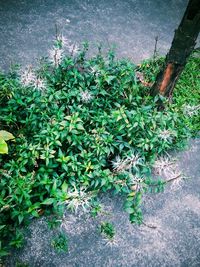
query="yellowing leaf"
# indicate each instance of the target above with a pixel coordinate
(132, 194)
(3, 147)
(6, 135)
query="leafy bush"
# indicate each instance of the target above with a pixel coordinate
(82, 126)
(60, 243)
(107, 229)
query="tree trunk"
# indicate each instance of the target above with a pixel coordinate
(182, 46)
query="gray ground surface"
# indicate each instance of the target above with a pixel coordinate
(27, 28)
(174, 242)
(26, 33)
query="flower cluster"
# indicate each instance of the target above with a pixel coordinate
(56, 55)
(166, 135)
(78, 198)
(177, 178)
(95, 70)
(86, 96)
(110, 242)
(73, 49)
(62, 40)
(170, 170)
(163, 164)
(28, 78)
(67, 44)
(136, 183)
(190, 111)
(120, 165)
(39, 84)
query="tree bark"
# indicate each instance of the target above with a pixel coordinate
(182, 46)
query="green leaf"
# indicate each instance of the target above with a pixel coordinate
(35, 213)
(64, 187)
(79, 127)
(58, 143)
(110, 78)
(20, 218)
(3, 147)
(48, 201)
(54, 187)
(2, 226)
(4, 253)
(129, 210)
(6, 135)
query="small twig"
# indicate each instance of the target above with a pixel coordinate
(155, 48)
(57, 34)
(168, 181)
(73, 49)
(149, 226)
(172, 179)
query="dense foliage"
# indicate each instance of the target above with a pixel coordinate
(85, 126)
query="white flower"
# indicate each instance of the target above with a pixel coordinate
(140, 76)
(86, 96)
(163, 164)
(56, 52)
(166, 135)
(136, 183)
(95, 71)
(78, 198)
(110, 242)
(120, 165)
(170, 170)
(134, 159)
(191, 110)
(28, 77)
(73, 49)
(39, 84)
(178, 179)
(63, 40)
(56, 55)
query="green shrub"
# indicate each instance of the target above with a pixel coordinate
(83, 126)
(60, 243)
(107, 229)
